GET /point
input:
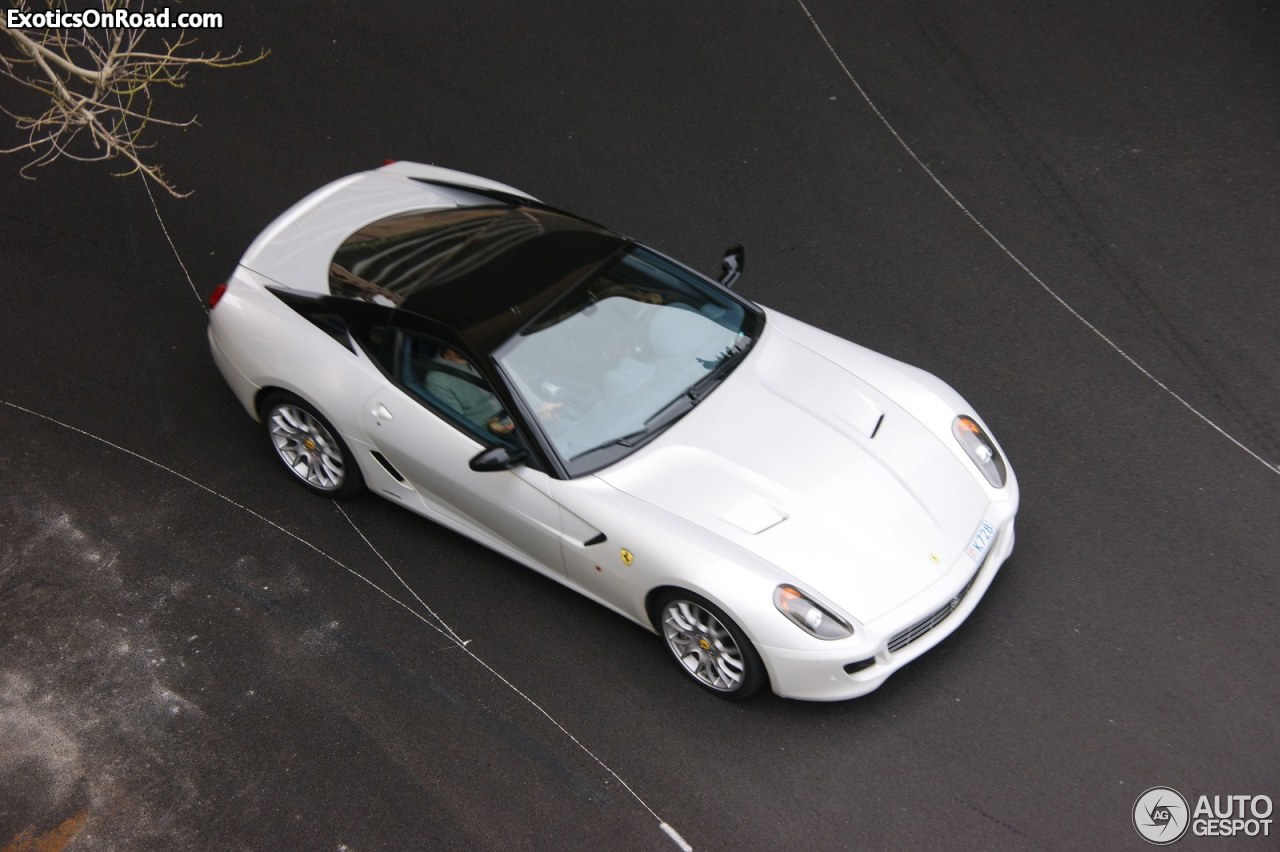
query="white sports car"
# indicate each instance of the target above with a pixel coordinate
(781, 506)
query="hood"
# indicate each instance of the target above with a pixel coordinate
(800, 462)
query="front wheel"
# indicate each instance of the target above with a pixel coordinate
(709, 646)
(309, 447)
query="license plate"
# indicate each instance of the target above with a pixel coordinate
(981, 541)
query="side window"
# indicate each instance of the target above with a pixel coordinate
(446, 381)
(380, 344)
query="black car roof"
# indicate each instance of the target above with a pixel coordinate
(482, 272)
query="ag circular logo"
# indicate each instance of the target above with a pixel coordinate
(1161, 815)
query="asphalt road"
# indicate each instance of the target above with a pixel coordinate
(197, 654)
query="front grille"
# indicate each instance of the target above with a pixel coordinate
(924, 625)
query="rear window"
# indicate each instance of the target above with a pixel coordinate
(389, 260)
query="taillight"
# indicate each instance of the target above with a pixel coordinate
(216, 295)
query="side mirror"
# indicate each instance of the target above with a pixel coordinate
(498, 458)
(731, 266)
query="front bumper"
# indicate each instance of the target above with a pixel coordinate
(912, 629)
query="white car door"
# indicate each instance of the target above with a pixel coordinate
(510, 511)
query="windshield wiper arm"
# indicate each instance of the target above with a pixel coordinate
(682, 404)
(721, 368)
(628, 440)
(661, 419)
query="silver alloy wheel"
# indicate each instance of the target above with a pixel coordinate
(703, 645)
(306, 447)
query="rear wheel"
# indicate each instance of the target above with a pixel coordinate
(709, 646)
(309, 446)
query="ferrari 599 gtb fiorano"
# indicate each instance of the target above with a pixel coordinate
(782, 507)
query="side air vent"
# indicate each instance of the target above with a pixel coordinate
(382, 460)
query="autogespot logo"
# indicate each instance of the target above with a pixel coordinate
(1160, 815)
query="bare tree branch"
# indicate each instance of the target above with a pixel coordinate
(97, 86)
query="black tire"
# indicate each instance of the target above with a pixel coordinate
(708, 645)
(309, 447)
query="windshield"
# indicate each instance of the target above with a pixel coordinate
(625, 355)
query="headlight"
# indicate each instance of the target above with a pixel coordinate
(981, 449)
(810, 617)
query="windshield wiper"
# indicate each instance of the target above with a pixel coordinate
(719, 369)
(682, 404)
(628, 440)
(659, 420)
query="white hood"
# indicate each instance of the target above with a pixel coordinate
(781, 460)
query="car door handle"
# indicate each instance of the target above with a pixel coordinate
(380, 411)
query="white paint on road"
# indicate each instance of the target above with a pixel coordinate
(443, 629)
(1271, 466)
(667, 829)
(675, 836)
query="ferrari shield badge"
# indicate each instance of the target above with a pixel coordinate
(627, 557)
